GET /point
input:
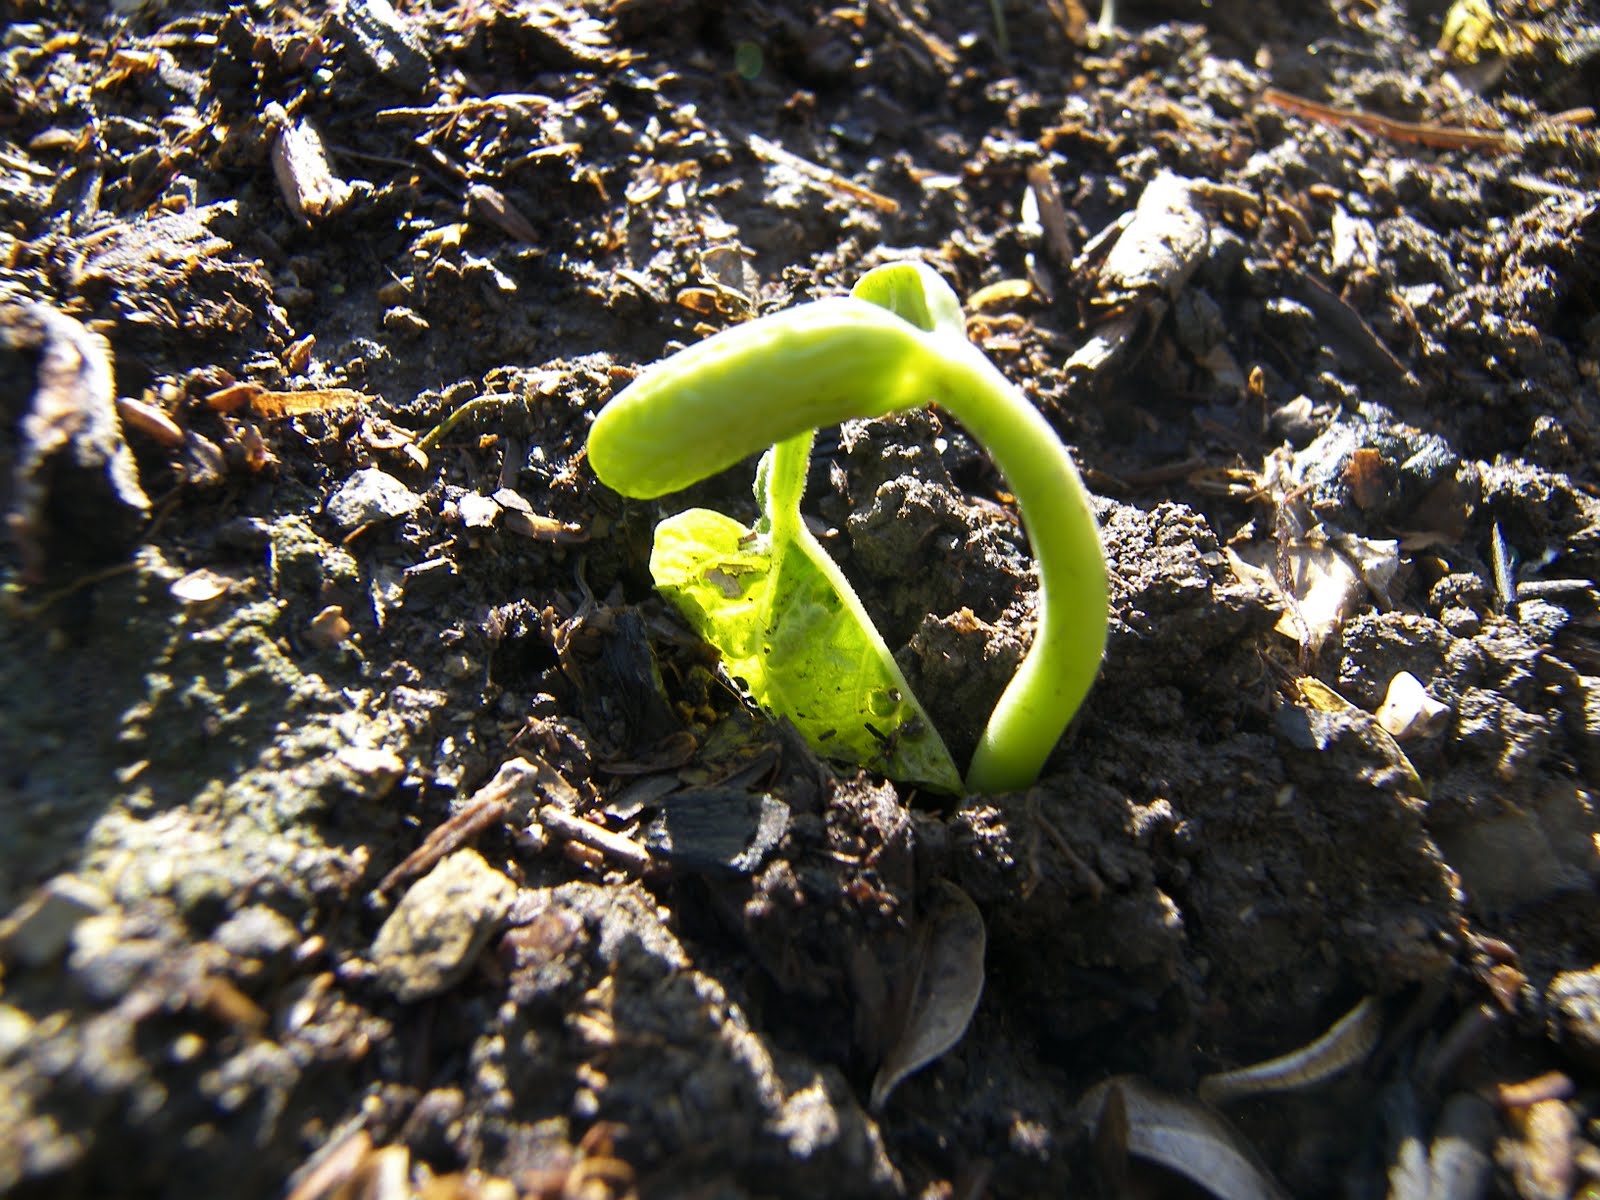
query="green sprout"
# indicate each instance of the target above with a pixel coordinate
(897, 341)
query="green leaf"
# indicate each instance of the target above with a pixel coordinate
(801, 647)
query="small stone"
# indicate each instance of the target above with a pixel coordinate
(437, 930)
(1573, 1002)
(38, 932)
(1461, 622)
(110, 955)
(371, 495)
(16, 1028)
(403, 320)
(512, 501)
(200, 587)
(1408, 711)
(428, 578)
(1295, 422)
(257, 932)
(328, 628)
(373, 772)
(478, 512)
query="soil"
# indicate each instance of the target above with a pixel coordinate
(369, 828)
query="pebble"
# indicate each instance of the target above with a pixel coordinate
(371, 495)
(436, 931)
(373, 771)
(258, 933)
(478, 512)
(1573, 1002)
(38, 932)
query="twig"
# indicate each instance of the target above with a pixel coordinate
(1097, 887)
(1417, 133)
(477, 404)
(774, 153)
(514, 785)
(623, 850)
(521, 101)
(934, 48)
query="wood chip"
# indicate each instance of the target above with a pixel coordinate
(296, 404)
(516, 784)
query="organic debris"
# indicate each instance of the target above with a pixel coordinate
(74, 497)
(947, 975)
(369, 827)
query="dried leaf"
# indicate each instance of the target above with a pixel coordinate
(1346, 1043)
(305, 178)
(949, 983)
(1329, 576)
(1183, 1136)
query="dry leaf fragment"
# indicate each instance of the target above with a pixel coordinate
(1347, 1042)
(310, 188)
(1330, 577)
(200, 587)
(949, 983)
(1181, 1135)
(75, 496)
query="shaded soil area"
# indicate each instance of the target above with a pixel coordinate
(369, 828)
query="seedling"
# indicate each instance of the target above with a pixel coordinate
(767, 597)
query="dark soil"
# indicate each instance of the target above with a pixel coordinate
(355, 589)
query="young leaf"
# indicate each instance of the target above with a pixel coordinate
(791, 630)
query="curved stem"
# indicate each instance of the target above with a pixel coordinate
(1062, 662)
